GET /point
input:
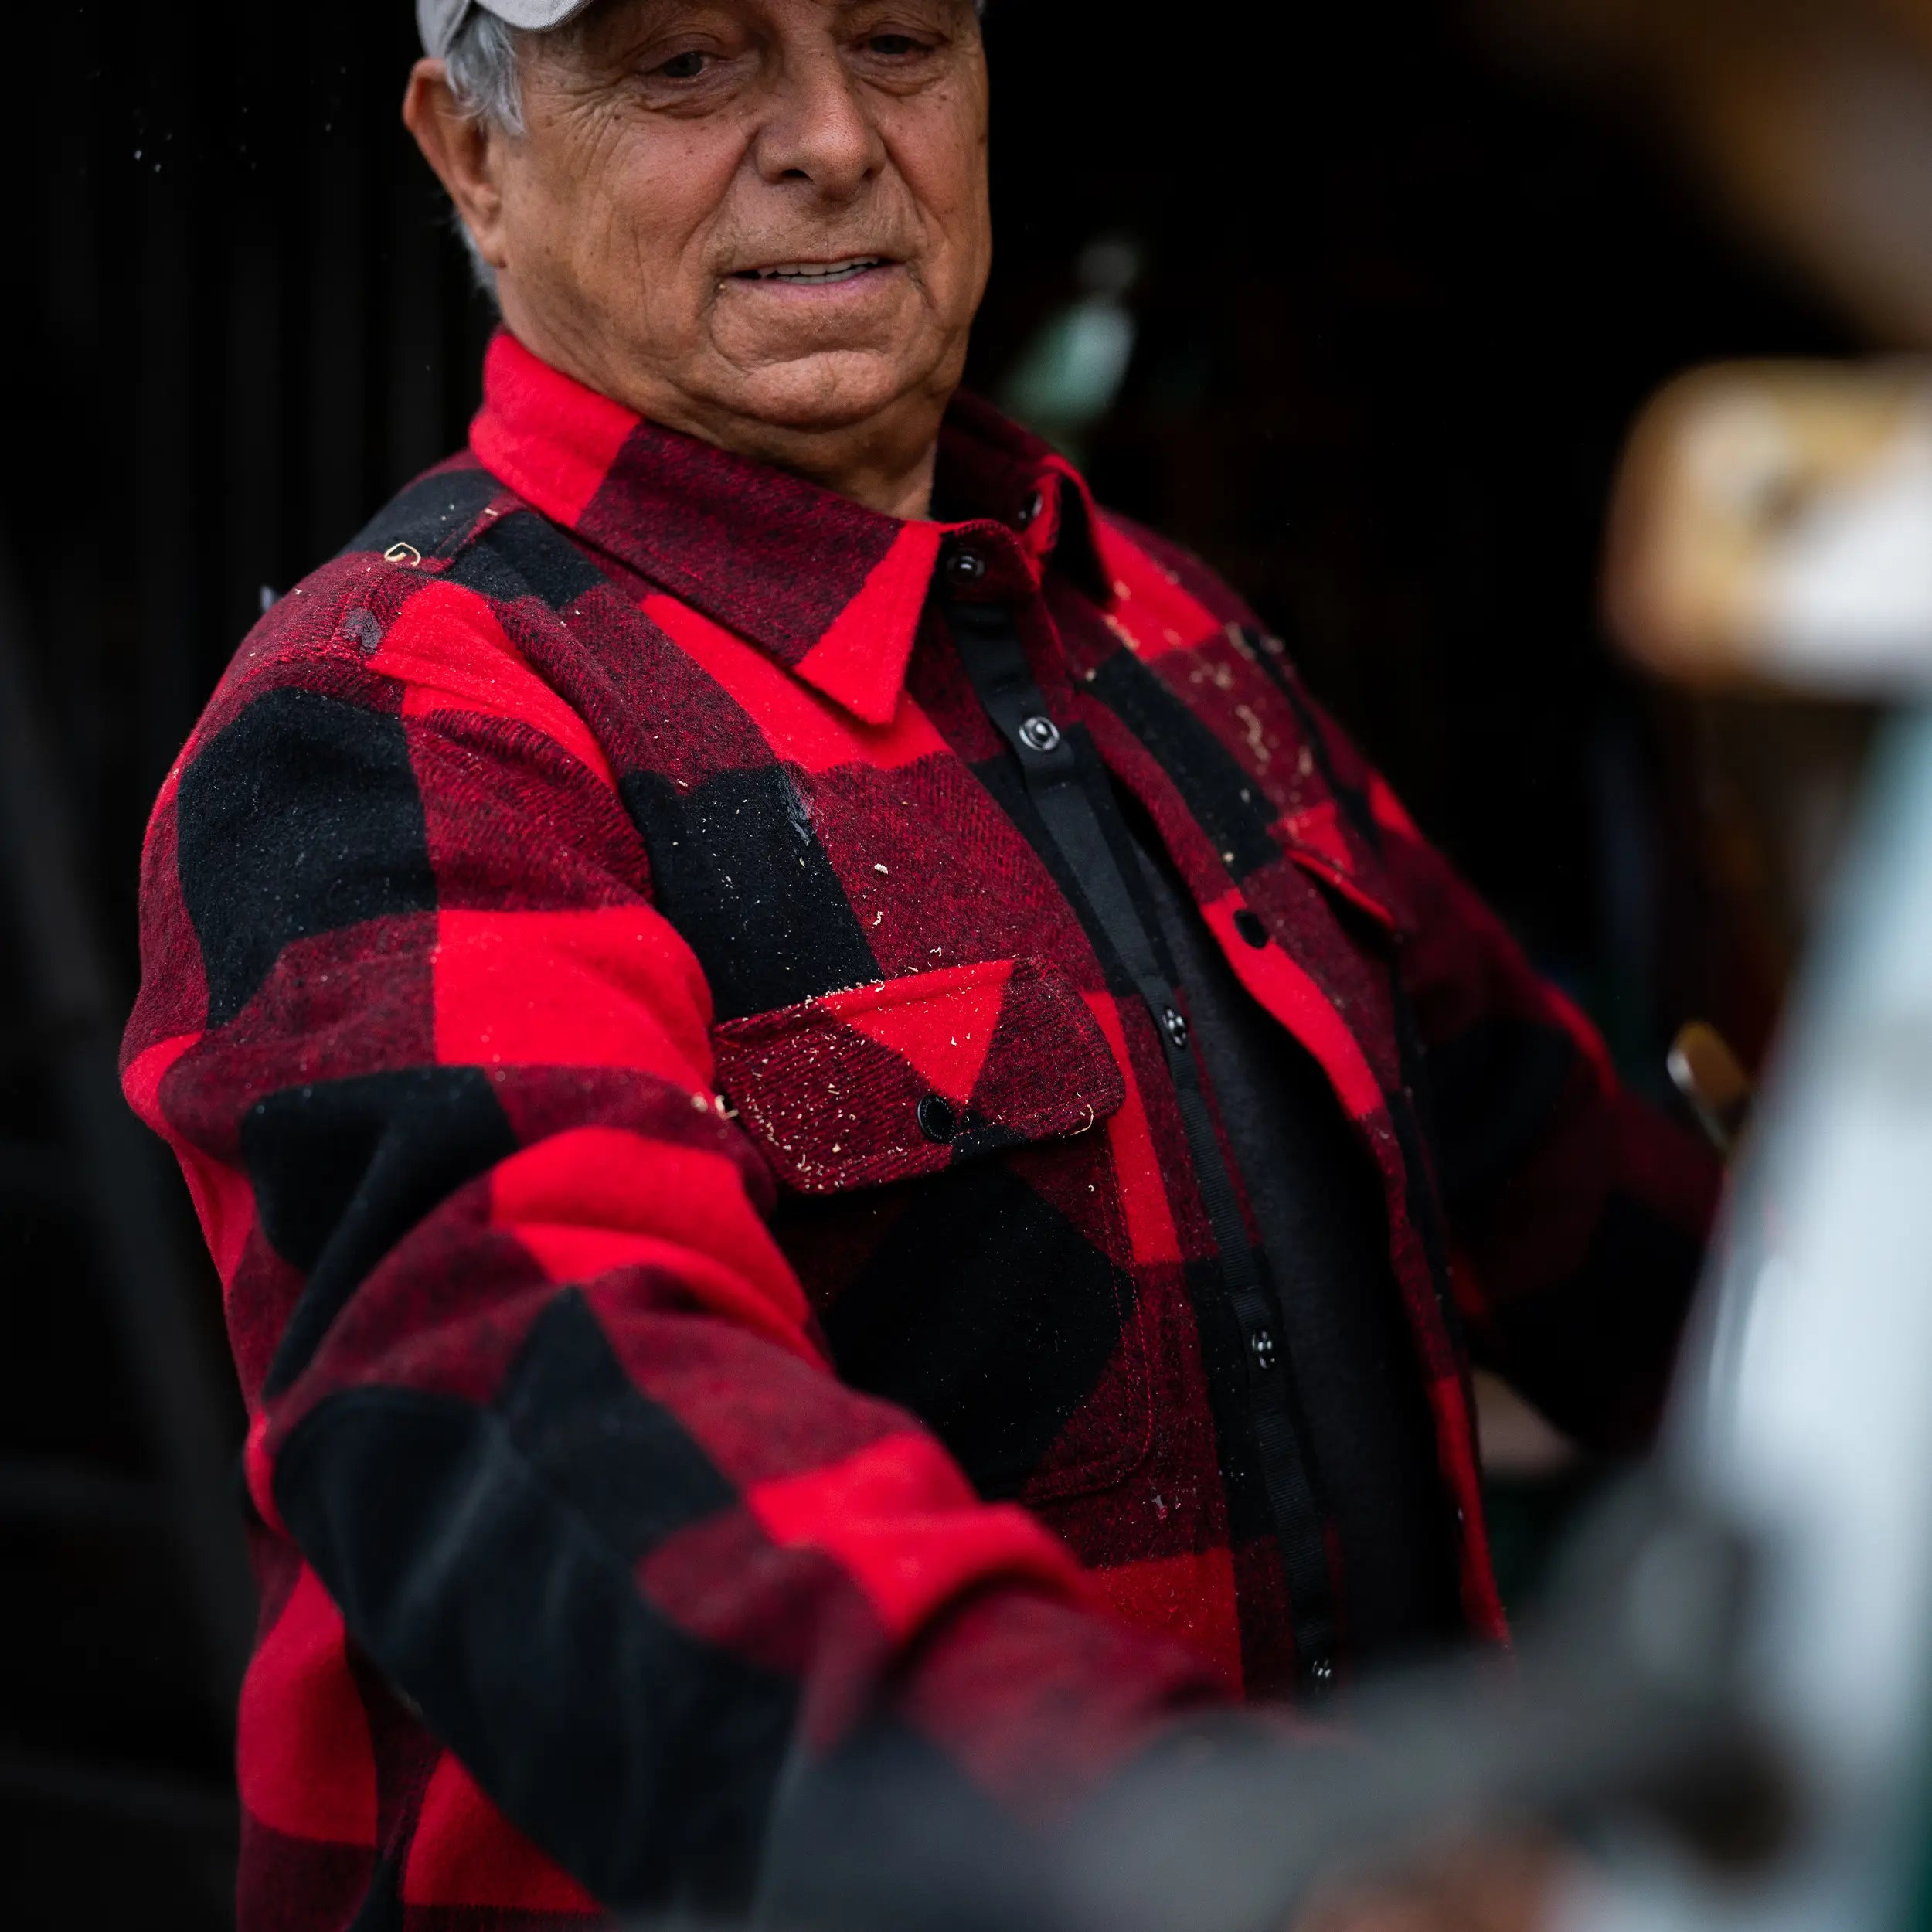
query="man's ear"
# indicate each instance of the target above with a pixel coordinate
(463, 150)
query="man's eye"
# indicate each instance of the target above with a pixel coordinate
(893, 46)
(684, 66)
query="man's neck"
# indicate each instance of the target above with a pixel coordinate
(885, 462)
(895, 489)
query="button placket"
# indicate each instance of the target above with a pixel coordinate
(987, 634)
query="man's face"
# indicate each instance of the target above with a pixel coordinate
(737, 213)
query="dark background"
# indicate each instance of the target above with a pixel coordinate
(1399, 308)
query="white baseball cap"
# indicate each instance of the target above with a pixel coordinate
(438, 20)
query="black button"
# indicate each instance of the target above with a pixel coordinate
(965, 566)
(1262, 1344)
(1039, 734)
(1029, 511)
(1174, 1024)
(1321, 1671)
(936, 1120)
(1248, 922)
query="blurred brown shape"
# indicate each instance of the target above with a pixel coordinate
(1741, 564)
(1806, 126)
(1811, 121)
(1517, 1442)
(1503, 1882)
(1766, 527)
(1706, 1073)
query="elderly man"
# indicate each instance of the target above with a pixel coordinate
(841, 1130)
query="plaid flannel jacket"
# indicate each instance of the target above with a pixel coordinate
(551, 933)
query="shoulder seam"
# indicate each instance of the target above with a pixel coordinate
(439, 516)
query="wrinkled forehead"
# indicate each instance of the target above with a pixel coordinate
(440, 21)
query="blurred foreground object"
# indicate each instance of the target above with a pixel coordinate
(1770, 527)
(1625, 1703)
(1801, 1414)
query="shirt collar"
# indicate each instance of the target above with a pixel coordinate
(831, 590)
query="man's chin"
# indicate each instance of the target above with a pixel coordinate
(825, 392)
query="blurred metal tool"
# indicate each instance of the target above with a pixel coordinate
(1625, 1698)
(1706, 1072)
(1773, 526)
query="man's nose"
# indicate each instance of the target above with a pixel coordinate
(818, 129)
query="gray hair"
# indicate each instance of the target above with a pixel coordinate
(483, 66)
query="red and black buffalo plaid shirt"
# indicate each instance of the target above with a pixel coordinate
(555, 933)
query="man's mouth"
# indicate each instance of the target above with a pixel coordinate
(815, 274)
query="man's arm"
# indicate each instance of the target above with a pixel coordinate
(532, 1387)
(1578, 1214)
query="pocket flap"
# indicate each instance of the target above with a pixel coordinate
(906, 1077)
(1320, 839)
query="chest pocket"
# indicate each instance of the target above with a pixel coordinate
(909, 1077)
(950, 1203)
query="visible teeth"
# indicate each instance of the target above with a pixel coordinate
(815, 272)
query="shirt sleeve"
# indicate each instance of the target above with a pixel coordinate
(1577, 1213)
(531, 1386)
